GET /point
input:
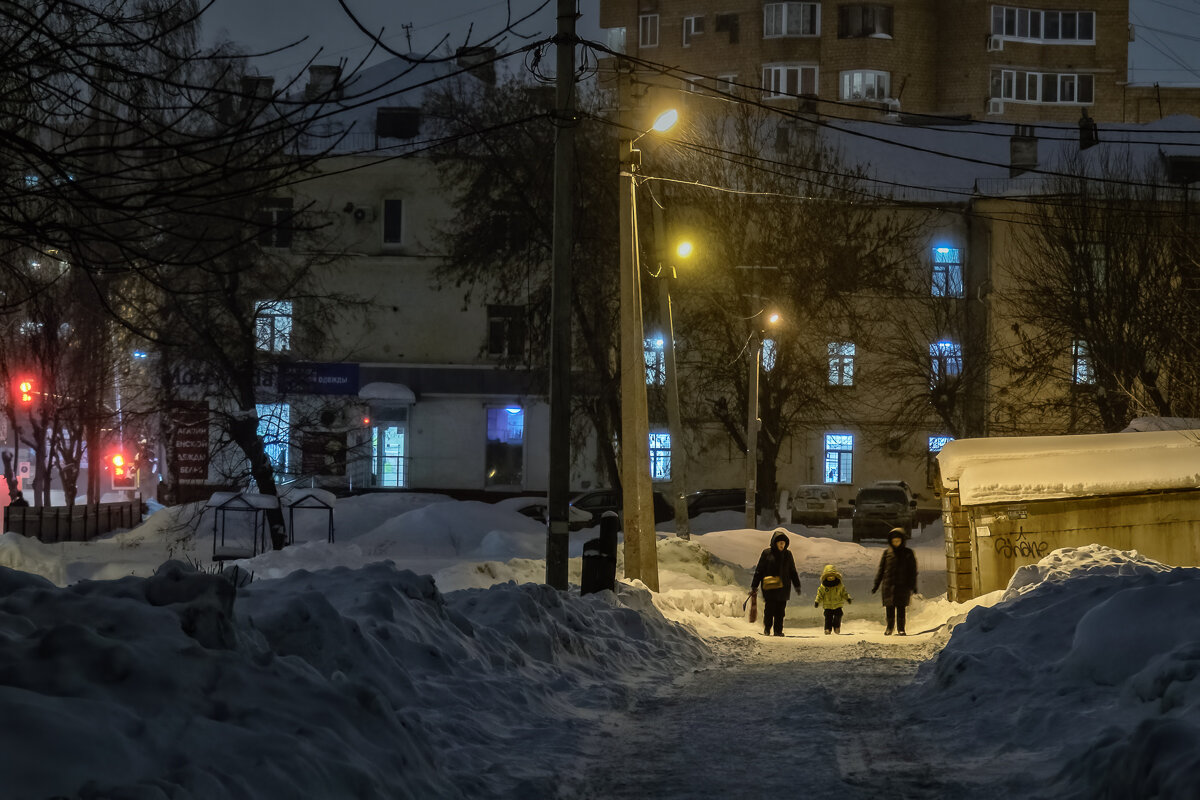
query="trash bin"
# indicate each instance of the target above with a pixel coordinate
(600, 558)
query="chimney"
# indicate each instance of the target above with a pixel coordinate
(479, 60)
(323, 82)
(1088, 135)
(1023, 153)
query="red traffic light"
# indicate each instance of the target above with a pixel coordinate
(124, 474)
(25, 391)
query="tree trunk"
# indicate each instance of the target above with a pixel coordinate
(244, 432)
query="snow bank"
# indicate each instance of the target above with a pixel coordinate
(337, 683)
(1099, 644)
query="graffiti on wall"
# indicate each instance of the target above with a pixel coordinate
(1020, 545)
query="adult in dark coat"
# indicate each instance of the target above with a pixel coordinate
(776, 561)
(897, 577)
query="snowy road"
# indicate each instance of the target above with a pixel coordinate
(773, 718)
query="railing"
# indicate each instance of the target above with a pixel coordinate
(80, 523)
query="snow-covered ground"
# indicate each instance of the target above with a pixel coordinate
(419, 656)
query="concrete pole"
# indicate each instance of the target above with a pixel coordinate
(666, 277)
(641, 557)
(559, 489)
(752, 425)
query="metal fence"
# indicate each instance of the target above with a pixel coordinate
(80, 523)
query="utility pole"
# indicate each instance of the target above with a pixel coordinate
(683, 527)
(637, 499)
(753, 423)
(558, 533)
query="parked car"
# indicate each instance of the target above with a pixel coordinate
(597, 501)
(707, 500)
(538, 507)
(814, 504)
(880, 507)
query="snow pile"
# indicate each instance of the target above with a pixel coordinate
(337, 683)
(1085, 676)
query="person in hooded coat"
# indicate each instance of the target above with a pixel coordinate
(897, 577)
(775, 562)
(832, 594)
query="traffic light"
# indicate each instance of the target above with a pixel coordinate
(25, 391)
(124, 474)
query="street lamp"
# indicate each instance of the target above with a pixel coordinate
(637, 499)
(753, 423)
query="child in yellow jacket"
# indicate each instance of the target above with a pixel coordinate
(832, 595)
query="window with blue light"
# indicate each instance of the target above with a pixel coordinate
(273, 326)
(841, 363)
(947, 272)
(1082, 372)
(945, 360)
(274, 428)
(936, 443)
(660, 456)
(839, 457)
(770, 351)
(504, 456)
(656, 365)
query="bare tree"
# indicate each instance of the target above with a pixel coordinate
(1099, 298)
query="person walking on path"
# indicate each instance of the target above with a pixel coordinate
(897, 577)
(776, 571)
(832, 595)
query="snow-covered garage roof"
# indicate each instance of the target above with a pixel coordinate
(1012, 469)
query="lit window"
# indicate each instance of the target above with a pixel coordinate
(1082, 371)
(504, 458)
(947, 272)
(656, 368)
(274, 428)
(789, 80)
(839, 457)
(791, 19)
(273, 326)
(692, 26)
(769, 352)
(936, 443)
(648, 30)
(865, 84)
(945, 360)
(660, 456)
(841, 363)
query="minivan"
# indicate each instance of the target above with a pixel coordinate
(814, 504)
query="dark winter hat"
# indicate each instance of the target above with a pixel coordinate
(897, 533)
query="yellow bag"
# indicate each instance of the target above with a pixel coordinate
(772, 582)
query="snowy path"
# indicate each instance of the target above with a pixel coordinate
(772, 718)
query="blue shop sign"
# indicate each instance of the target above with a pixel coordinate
(317, 378)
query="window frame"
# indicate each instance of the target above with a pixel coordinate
(1018, 24)
(837, 457)
(648, 30)
(274, 220)
(842, 355)
(1083, 366)
(660, 455)
(777, 89)
(275, 430)
(1016, 86)
(945, 360)
(392, 230)
(947, 274)
(847, 76)
(270, 334)
(871, 18)
(655, 360)
(779, 16)
(507, 325)
(693, 26)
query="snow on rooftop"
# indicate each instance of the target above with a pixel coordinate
(1017, 468)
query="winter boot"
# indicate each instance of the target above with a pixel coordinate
(899, 633)
(827, 631)
(767, 631)
(888, 632)
(838, 631)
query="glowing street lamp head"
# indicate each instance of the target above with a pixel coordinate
(665, 121)
(774, 318)
(684, 249)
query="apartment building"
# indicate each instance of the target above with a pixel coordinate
(982, 60)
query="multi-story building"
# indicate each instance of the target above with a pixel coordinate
(983, 60)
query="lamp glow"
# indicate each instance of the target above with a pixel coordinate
(665, 121)
(684, 249)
